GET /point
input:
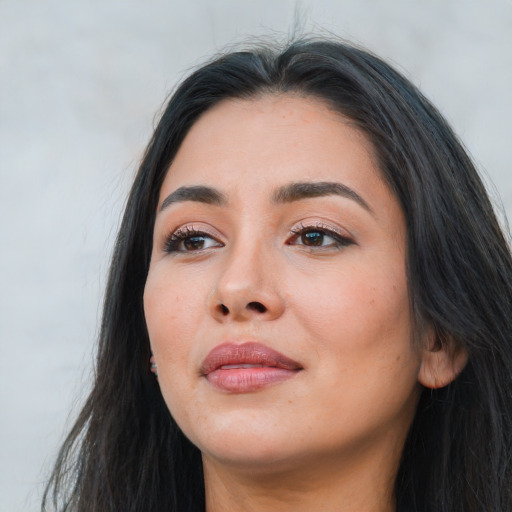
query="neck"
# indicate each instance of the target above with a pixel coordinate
(364, 483)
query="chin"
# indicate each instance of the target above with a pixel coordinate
(257, 459)
(245, 441)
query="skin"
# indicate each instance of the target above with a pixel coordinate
(330, 437)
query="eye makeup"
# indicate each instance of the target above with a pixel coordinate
(319, 235)
(189, 239)
(315, 236)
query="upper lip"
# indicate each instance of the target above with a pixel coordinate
(246, 353)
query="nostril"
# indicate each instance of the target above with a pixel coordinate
(223, 309)
(257, 306)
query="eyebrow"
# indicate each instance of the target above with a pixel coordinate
(285, 194)
(305, 190)
(198, 193)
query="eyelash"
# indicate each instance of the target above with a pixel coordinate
(172, 243)
(340, 240)
(174, 240)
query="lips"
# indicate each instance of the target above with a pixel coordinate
(247, 367)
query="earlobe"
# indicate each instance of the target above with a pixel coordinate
(441, 363)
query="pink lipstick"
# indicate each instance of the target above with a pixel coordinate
(247, 367)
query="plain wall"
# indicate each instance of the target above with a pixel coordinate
(80, 83)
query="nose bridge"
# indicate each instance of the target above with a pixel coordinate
(244, 270)
(246, 285)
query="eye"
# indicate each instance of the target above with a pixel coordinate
(189, 240)
(318, 236)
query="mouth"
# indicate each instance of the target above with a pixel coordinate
(247, 367)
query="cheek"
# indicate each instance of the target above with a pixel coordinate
(354, 296)
(359, 315)
(172, 312)
(172, 308)
(359, 325)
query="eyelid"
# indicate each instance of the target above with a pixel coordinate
(185, 231)
(340, 235)
(322, 224)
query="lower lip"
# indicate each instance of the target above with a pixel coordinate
(246, 380)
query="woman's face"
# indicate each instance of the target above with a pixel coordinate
(276, 300)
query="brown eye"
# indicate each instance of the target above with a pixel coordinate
(190, 241)
(194, 243)
(313, 238)
(321, 237)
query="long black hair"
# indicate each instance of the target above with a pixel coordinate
(126, 453)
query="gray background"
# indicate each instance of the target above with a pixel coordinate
(80, 83)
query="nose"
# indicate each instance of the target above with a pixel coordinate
(247, 287)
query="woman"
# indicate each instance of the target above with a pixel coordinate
(310, 264)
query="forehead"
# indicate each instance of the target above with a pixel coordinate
(271, 140)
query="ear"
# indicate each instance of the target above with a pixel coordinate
(441, 362)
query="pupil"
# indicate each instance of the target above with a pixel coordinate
(194, 243)
(313, 238)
